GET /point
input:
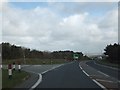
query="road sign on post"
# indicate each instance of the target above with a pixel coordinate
(75, 56)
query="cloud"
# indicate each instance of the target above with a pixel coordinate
(45, 29)
(64, 0)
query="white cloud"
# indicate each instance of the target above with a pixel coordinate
(64, 0)
(44, 29)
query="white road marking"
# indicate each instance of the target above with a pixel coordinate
(85, 73)
(37, 83)
(103, 73)
(94, 79)
(105, 80)
(83, 70)
(80, 67)
(45, 71)
(40, 77)
(99, 84)
(51, 68)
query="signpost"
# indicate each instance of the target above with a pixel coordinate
(75, 56)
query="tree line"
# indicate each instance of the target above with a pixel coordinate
(112, 52)
(15, 52)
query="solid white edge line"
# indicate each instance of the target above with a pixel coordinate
(51, 69)
(85, 73)
(80, 66)
(45, 71)
(40, 76)
(98, 84)
(37, 83)
(94, 79)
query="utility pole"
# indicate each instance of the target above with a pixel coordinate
(24, 55)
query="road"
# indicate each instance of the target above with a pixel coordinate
(67, 76)
(109, 71)
(83, 74)
(105, 75)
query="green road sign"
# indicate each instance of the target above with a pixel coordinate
(75, 56)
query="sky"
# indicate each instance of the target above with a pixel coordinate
(49, 26)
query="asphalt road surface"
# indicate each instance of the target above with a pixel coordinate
(67, 76)
(109, 71)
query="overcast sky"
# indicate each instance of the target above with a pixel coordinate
(77, 26)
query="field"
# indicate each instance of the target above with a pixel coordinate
(36, 61)
(0, 78)
(17, 78)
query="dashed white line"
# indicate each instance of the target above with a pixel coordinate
(103, 73)
(98, 84)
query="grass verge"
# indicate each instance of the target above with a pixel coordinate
(36, 61)
(17, 78)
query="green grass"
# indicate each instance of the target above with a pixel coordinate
(37, 61)
(106, 62)
(17, 78)
(0, 78)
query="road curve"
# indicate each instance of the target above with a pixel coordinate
(109, 71)
(67, 76)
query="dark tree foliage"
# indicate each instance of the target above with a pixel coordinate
(6, 51)
(113, 52)
(16, 52)
(63, 55)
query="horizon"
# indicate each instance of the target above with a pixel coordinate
(88, 54)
